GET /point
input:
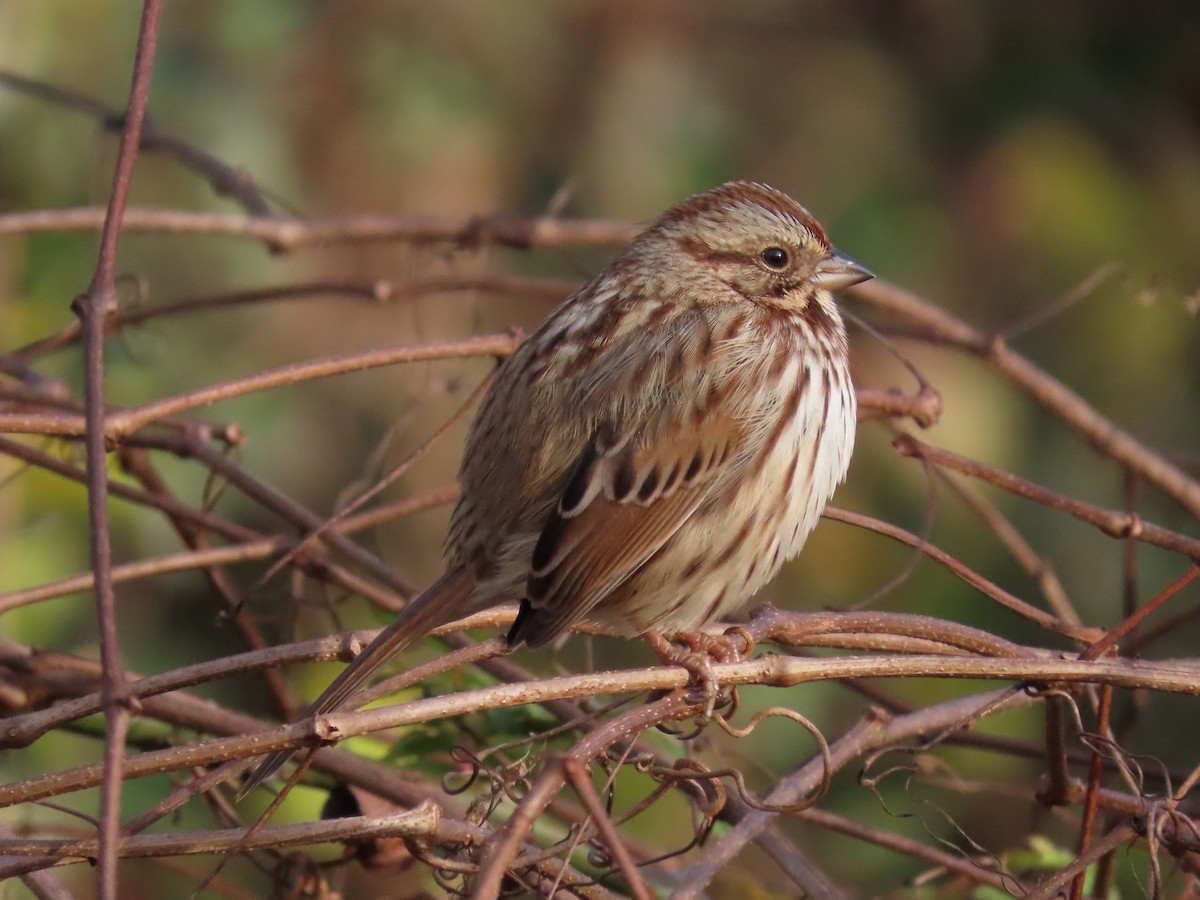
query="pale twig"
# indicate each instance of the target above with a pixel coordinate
(769, 670)
(419, 822)
(292, 234)
(122, 423)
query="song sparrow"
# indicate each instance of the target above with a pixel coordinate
(662, 443)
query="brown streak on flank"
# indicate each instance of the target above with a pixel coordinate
(677, 605)
(713, 397)
(714, 606)
(779, 364)
(723, 454)
(786, 483)
(732, 547)
(704, 344)
(811, 471)
(692, 567)
(787, 414)
(824, 417)
(733, 328)
(750, 573)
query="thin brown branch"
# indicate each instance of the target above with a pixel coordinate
(1111, 522)
(769, 670)
(1130, 624)
(420, 822)
(92, 309)
(225, 179)
(844, 629)
(1041, 387)
(967, 575)
(121, 424)
(873, 732)
(48, 670)
(1091, 798)
(253, 546)
(1037, 566)
(773, 625)
(276, 501)
(248, 551)
(970, 870)
(293, 234)
(579, 774)
(1052, 886)
(925, 408)
(379, 291)
(499, 854)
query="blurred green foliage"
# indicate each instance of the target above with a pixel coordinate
(987, 156)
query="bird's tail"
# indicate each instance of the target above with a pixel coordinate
(443, 601)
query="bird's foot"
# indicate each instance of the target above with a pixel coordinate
(697, 651)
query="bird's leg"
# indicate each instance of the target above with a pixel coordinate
(698, 656)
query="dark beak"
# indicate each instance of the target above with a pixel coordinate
(840, 271)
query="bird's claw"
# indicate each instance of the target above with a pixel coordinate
(698, 655)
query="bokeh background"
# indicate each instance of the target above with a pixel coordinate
(988, 156)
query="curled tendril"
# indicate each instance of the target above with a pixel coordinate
(807, 725)
(462, 755)
(543, 737)
(729, 701)
(509, 780)
(598, 857)
(709, 792)
(713, 796)
(746, 636)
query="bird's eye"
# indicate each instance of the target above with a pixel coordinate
(775, 258)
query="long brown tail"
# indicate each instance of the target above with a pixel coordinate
(443, 601)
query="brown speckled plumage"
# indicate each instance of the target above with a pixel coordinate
(662, 443)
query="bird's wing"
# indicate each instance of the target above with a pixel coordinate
(628, 493)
